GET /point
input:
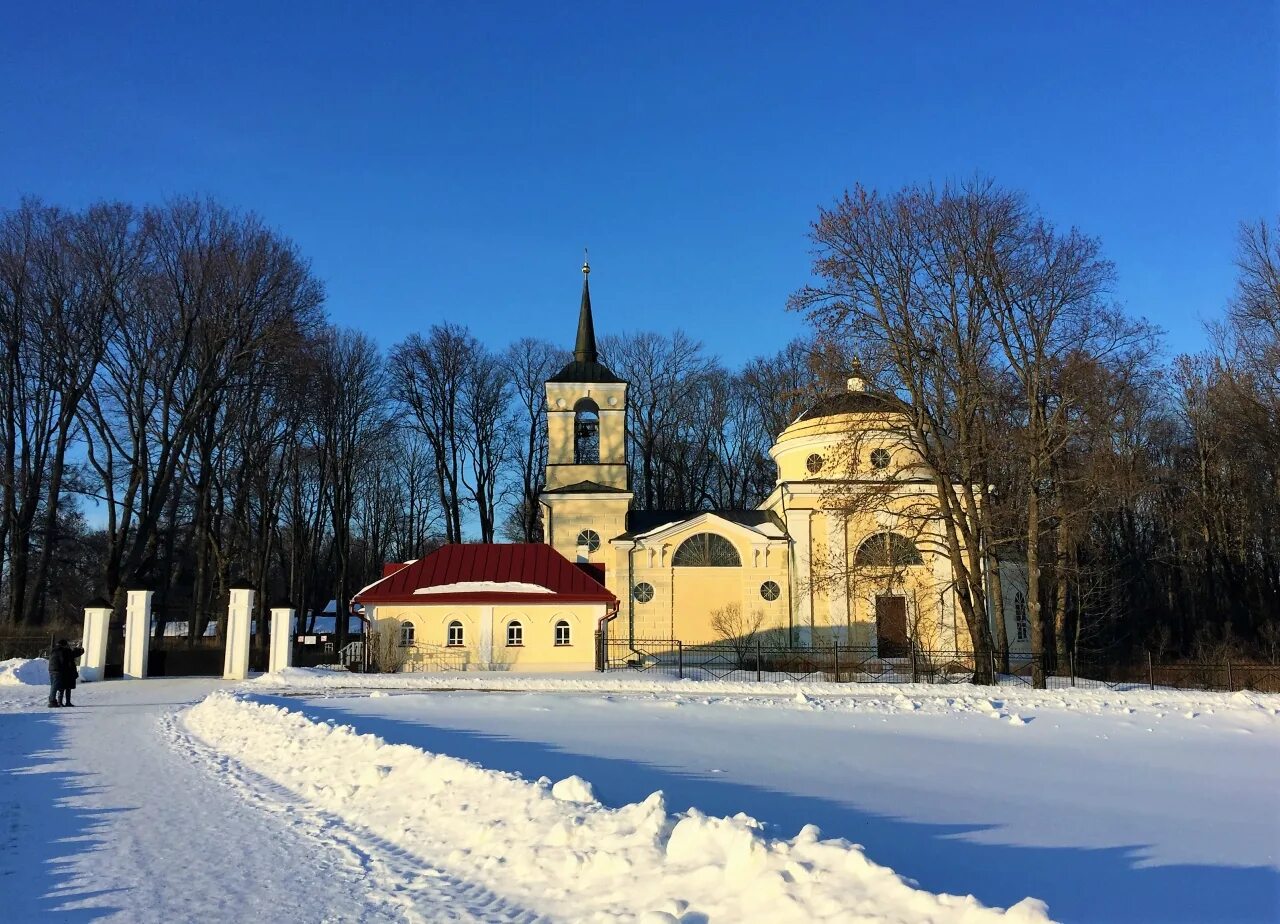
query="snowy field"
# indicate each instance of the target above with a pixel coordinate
(314, 796)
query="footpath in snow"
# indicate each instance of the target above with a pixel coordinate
(112, 811)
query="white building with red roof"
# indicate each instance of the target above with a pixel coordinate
(512, 606)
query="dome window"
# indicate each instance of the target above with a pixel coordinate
(880, 458)
(813, 463)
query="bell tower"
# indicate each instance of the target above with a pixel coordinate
(587, 492)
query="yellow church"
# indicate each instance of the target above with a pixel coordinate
(843, 550)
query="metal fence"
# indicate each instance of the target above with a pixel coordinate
(752, 660)
(25, 646)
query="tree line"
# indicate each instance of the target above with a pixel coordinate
(181, 415)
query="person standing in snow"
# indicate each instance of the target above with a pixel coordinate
(62, 672)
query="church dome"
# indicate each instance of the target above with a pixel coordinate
(817, 444)
(854, 402)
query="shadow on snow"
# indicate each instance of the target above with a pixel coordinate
(42, 831)
(1078, 883)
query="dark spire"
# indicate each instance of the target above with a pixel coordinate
(586, 366)
(584, 350)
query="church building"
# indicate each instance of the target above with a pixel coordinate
(845, 548)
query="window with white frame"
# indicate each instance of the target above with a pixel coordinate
(515, 634)
(455, 637)
(563, 633)
(406, 634)
(1020, 620)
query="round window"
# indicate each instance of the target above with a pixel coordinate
(643, 592)
(590, 538)
(879, 458)
(813, 463)
(770, 590)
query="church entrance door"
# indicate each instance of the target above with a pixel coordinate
(891, 626)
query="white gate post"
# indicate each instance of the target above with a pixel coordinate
(137, 634)
(235, 665)
(97, 616)
(281, 638)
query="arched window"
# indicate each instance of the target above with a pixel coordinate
(706, 550)
(455, 637)
(562, 633)
(586, 433)
(515, 634)
(1020, 620)
(406, 634)
(888, 550)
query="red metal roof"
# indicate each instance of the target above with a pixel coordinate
(525, 563)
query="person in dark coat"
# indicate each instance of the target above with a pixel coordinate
(63, 672)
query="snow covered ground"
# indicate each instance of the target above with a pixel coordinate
(257, 803)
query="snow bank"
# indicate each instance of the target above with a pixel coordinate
(1011, 704)
(557, 851)
(24, 672)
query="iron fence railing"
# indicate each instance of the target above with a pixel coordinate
(753, 660)
(25, 646)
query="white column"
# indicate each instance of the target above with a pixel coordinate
(486, 638)
(281, 655)
(137, 633)
(96, 619)
(837, 536)
(801, 592)
(235, 665)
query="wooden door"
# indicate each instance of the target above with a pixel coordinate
(891, 626)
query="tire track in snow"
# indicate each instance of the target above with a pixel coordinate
(399, 885)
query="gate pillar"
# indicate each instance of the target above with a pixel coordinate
(137, 633)
(235, 665)
(97, 616)
(281, 655)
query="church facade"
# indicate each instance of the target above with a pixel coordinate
(845, 548)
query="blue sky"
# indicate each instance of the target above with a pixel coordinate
(451, 160)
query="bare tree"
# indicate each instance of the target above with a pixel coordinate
(530, 363)
(738, 630)
(430, 374)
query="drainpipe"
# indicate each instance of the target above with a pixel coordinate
(602, 629)
(631, 598)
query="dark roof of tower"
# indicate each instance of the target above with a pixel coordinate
(586, 365)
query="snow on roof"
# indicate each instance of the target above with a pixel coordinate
(497, 587)
(469, 572)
